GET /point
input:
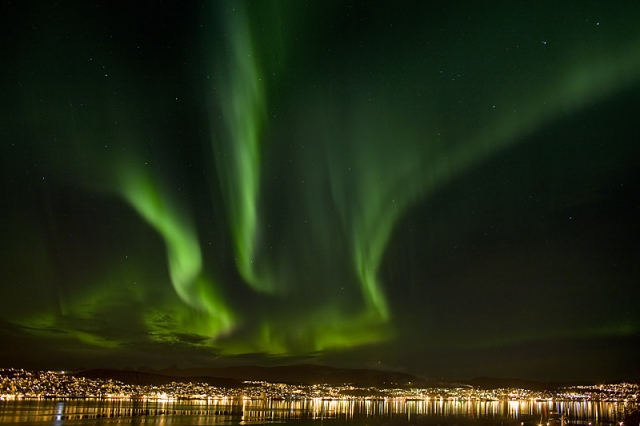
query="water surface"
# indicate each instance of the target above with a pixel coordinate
(317, 411)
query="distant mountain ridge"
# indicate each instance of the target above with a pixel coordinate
(309, 374)
(304, 373)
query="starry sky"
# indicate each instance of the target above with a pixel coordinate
(444, 188)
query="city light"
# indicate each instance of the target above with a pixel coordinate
(23, 384)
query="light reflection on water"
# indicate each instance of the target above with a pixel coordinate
(239, 411)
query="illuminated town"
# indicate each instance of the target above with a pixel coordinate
(23, 384)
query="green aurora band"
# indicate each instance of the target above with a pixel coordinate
(183, 251)
(353, 191)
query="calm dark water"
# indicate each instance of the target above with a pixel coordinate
(312, 411)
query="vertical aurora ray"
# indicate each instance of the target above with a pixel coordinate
(371, 191)
(238, 160)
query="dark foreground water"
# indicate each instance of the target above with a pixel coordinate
(312, 411)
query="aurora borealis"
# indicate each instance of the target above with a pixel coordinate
(443, 188)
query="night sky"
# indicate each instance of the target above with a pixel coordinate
(449, 189)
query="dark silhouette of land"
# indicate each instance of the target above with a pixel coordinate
(308, 374)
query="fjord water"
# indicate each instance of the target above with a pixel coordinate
(316, 411)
